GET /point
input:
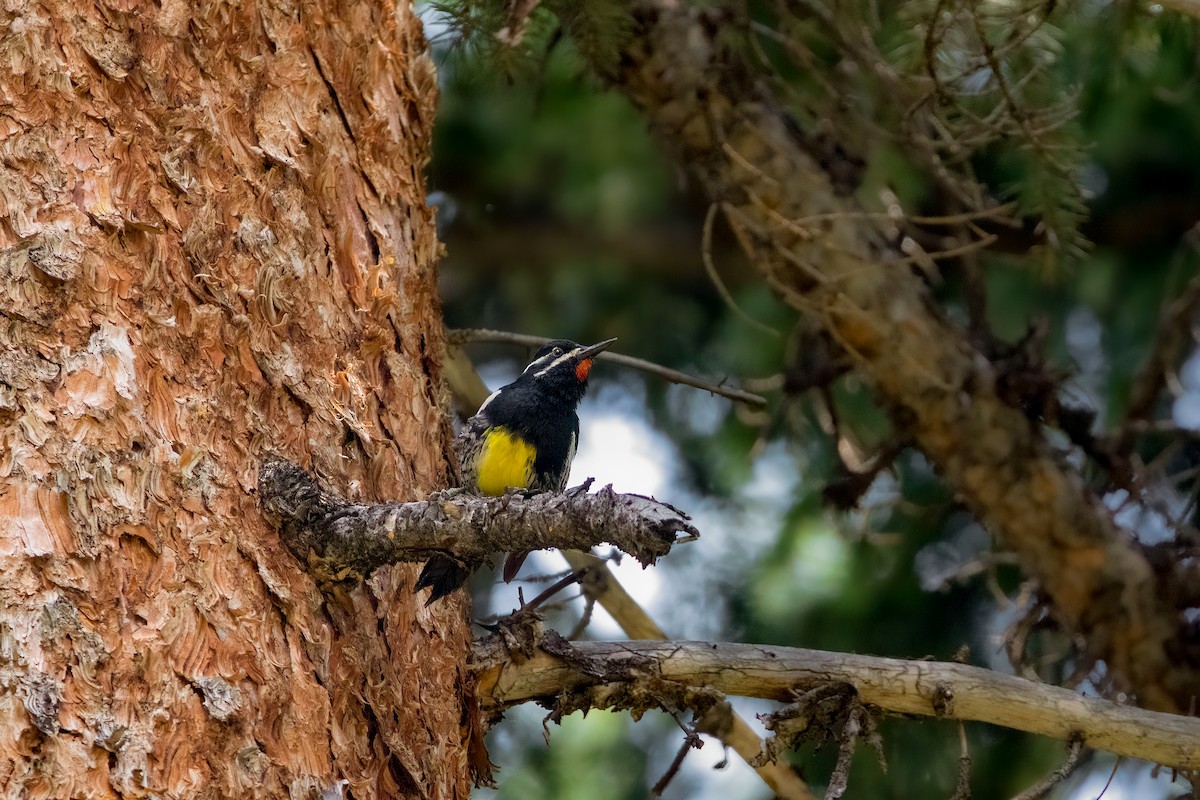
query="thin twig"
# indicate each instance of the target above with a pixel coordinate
(602, 584)
(552, 590)
(969, 247)
(741, 161)
(996, 213)
(962, 790)
(715, 277)
(1040, 789)
(464, 335)
(689, 743)
(585, 619)
(1111, 775)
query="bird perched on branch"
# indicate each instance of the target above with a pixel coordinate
(523, 437)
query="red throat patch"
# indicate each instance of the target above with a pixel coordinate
(582, 369)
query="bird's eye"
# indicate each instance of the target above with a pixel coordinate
(557, 351)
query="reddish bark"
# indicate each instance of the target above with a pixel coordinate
(216, 245)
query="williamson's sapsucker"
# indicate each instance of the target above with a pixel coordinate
(522, 437)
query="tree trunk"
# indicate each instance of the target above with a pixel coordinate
(215, 246)
(787, 192)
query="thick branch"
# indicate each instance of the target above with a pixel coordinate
(926, 688)
(359, 538)
(788, 193)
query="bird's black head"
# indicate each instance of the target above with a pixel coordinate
(563, 366)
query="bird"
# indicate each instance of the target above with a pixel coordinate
(523, 436)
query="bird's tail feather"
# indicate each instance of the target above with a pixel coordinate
(442, 574)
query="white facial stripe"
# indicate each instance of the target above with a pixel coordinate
(564, 357)
(490, 398)
(541, 360)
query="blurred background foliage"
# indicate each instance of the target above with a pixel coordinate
(562, 217)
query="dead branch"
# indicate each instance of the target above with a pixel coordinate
(462, 336)
(355, 538)
(600, 584)
(924, 688)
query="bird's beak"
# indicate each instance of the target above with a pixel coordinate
(589, 352)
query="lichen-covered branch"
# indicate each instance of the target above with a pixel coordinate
(602, 672)
(788, 194)
(355, 538)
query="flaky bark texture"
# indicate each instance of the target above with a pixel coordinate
(787, 193)
(216, 244)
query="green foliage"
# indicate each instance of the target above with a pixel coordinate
(517, 38)
(598, 28)
(993, 84)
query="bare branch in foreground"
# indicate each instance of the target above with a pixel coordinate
(600, 583)
(462, 336)
(348, 538)
(597, 671)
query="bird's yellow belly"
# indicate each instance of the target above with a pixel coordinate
(505, 461)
